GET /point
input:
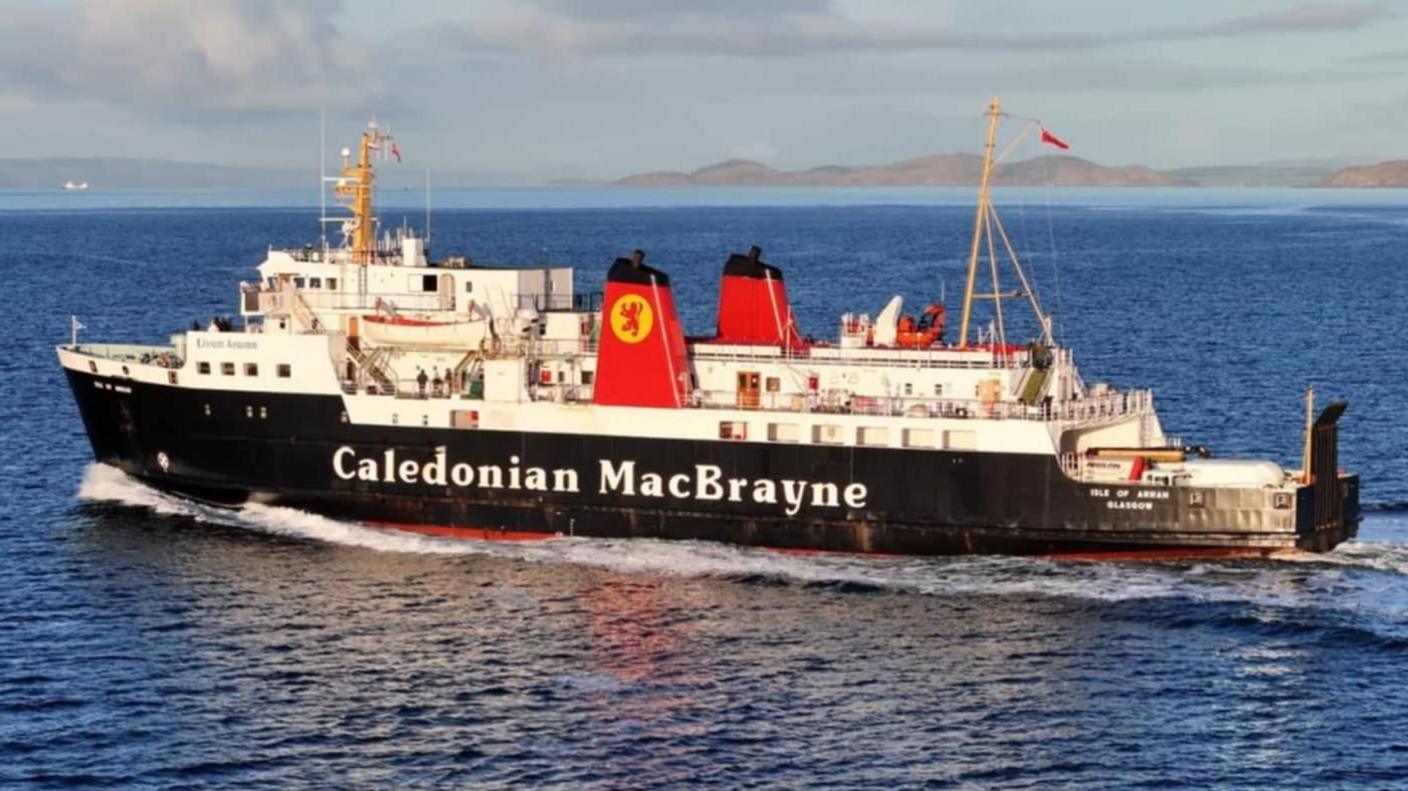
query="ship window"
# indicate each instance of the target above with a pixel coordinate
(877, 437)
(344, 416)
(203, 368)
(1195, 499)
(425, 420)
(938, 389)
(1281, 500)
(332, 284)
(908, 388)
(251, 369)
(207, 410)
(920, 438)
(171, 377)
(126, 372)
(782, 432)
(298, 282)
(733, 429)
(285, 370)
(395, 419)
(227, 369)
(249, 411)
(774, 384)
(263, 412)
(429, 283)
(827, 435)
(561, 377)
(468, 286)
(315, 282)
(92, 367)
(587, 377)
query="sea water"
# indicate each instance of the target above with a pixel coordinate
(145, 640)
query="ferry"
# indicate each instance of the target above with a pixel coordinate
(365, 380)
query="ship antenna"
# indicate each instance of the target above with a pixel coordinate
(427, 212)
(323, 181)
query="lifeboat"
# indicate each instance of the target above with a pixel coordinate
(422, 333)
(925, 332)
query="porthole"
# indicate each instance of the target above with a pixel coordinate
(249, 411)
(207, 410)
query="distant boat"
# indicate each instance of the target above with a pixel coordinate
(75, 185)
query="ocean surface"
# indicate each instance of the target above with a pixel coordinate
(145, 641)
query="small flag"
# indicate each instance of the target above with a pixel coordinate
(396, 152)
(1053, 140)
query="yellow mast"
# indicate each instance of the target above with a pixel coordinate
(979, 222)
(355, 187)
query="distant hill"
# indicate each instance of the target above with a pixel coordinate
(1393, 173)
(947, 170)
(1252, 175)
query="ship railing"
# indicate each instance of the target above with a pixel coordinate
(577, 303)
(264, 300)
(1093, 410)
(871, 356)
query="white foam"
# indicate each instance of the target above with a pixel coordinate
(1264, 583)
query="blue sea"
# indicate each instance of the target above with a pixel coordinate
(149, 642)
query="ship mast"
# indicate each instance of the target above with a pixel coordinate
(985, 221)
(355, 188)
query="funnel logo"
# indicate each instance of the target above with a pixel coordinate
(631, 318)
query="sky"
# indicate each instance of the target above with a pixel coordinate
(529, 90)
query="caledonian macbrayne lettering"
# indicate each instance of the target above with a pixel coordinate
(704, 482)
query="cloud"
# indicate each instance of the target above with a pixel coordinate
(619, 28)
(190, 60)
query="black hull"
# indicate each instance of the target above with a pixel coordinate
(233, 447)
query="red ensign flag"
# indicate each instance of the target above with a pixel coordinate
(396, 152)
(1053, 140)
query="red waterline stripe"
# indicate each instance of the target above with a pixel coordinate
(471, 533)
(1170, 553)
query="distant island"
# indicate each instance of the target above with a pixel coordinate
(945, 170)
(1393, 173)
(964, 170)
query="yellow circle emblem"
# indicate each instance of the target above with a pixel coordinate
(631, 318)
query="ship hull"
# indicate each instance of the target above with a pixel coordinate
(298, 451)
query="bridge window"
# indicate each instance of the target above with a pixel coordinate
(938, 389)
(298, 282)
(285, 370)
(227, 369)
(251, 369)
(315, 282)
(774, 384)
(203, 367)
(332, 284)
(909, 388)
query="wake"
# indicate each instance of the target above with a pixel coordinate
(1260, 582)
